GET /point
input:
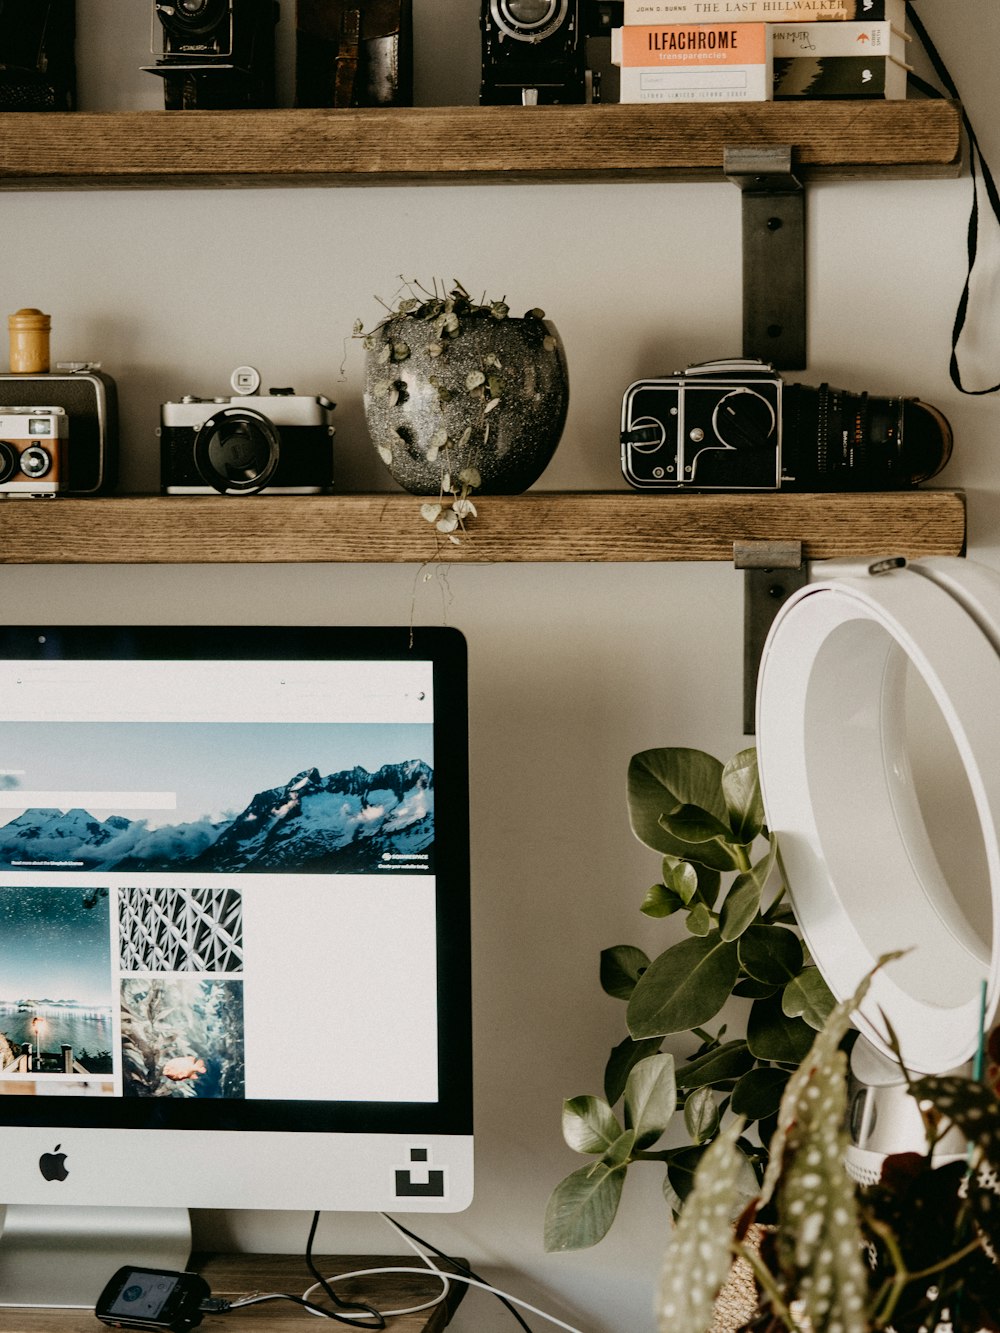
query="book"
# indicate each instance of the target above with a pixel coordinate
(840, 76)
(839, 39)
(764, 11)
(694, 62)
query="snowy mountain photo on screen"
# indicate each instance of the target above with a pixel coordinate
(214, 809)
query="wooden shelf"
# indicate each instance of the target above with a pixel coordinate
(910, 138)
(539, 526)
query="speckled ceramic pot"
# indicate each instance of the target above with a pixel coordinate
(491, 397)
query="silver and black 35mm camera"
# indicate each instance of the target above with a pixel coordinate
(736, 426)
(215, 53)
(280, 442)
(33, 451)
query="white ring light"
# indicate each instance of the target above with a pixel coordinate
(839, 793)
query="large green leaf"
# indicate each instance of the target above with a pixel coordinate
(758, 1093)
(589, 1125)
(808, 997)
(650, 1098)
(621, 968)
(582, 1207)
(772, 954)
(771, 1035)
(741, 788)
(681, 1167)
(686, 986)
(720, 1065)
(660, 780)
(697, 835)
(622, 1060)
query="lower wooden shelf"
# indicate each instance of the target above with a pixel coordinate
(538, 526)
(231, 1276)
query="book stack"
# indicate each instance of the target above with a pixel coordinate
(753, 50)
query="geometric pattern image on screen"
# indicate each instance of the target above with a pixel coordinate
(180, 930)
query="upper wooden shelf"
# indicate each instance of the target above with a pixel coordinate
(87, 150)
(538, 526)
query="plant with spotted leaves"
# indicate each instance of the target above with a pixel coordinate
(912, 1253)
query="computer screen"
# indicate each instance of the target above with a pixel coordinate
(234, 918)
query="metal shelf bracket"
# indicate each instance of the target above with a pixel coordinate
(774, 267)
(772, 572)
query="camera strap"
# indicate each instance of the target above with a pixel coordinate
(980, 170)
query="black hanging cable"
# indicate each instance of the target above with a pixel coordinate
(976, 159)
(462, 1268)
(356, 1306)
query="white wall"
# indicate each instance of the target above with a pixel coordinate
(574, 668)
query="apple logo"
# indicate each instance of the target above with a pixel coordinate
(53, 1164)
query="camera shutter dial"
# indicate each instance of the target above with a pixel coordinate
(237, 451)
(744, 419)
(35, 461)
(193, 18)
(528, 20)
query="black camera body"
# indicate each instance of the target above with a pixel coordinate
(280, 442)
(533, 52)
(37, 60)
(216, 53)
(736, 426)
(89, 398)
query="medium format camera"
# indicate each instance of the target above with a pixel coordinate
(33, 451)
(89, 398)
(37, 63)
(280, 442)
(736, 426)
(216, 53)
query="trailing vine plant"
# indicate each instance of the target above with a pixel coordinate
(448, 313)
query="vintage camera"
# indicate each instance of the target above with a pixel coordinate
(37, 64)
(89, 398)
(280, 442)
(216, 53)
(736, 426)
(33, 451)
(533, 52)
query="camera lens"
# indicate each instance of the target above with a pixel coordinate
(8, 461)
(237, 451)
(837, 440)
(528, 20)
(191, 18)
(35, 461)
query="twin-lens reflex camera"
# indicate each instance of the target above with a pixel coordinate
(280, 442)
(736, 426)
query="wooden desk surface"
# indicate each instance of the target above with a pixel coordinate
(234, 1275)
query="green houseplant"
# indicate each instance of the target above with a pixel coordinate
(764, 1116)
(706, 820)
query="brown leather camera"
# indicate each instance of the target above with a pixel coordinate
(354, 53)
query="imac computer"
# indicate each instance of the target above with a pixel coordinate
(234, 935)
